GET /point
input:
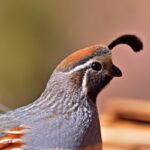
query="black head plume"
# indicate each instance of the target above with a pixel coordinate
(133, 41)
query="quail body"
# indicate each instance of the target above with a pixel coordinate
(65, 116)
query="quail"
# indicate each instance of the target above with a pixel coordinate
(65, 116)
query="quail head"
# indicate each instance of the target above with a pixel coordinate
(65, 116)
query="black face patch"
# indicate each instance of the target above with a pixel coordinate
(95, 83)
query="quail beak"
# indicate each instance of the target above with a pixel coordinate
(116, 72)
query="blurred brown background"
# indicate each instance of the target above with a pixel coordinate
(36, 35)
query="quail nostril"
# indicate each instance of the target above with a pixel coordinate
(116, 72)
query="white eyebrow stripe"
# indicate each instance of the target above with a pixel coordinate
(79, 67)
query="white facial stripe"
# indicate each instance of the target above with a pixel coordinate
(82, 66)
(84, 83)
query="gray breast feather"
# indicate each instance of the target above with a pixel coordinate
(64, 132)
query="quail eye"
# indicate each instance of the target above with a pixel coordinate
(96, 66)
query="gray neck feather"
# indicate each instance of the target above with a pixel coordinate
(61, 101)
(59, 98)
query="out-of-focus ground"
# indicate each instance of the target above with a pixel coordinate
(36, 35)
(126, 128)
